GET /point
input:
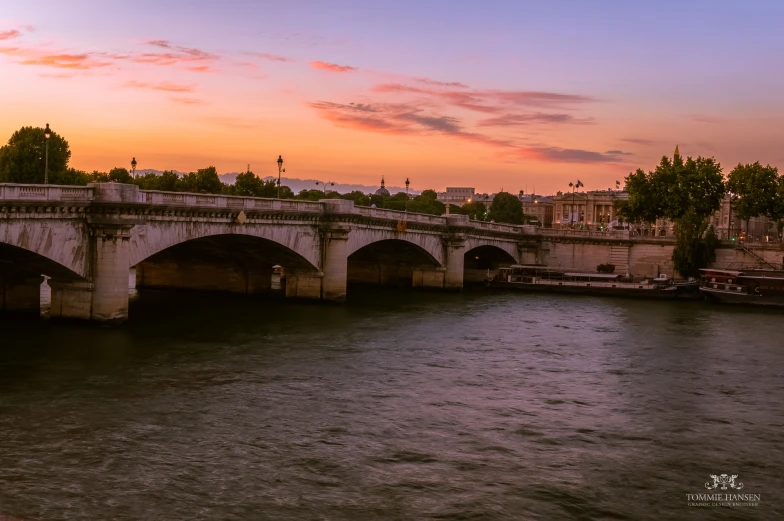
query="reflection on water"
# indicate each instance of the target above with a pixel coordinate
(399, 405)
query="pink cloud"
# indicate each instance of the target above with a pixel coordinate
(512, 120)
(404, 119)
(331, 67)
(270, 57)
(8, 35)
(163, 86)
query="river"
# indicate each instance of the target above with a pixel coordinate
(400, 405)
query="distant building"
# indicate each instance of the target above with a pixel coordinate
(457, 196)
(587, 210)
(382, 190)
(757, 228)
(540, 207)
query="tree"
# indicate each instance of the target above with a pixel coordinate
(248, 184)
(358, 197)
(23, 159)
(204, 180)
(506, 208)
(685, 192)
(754, 191)
(475, 209)
(120, 175)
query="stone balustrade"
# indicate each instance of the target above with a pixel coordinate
(22, 192)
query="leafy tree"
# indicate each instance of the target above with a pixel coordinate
(247, 183)
(506, 208)
(429, 195)
(120, 175)
(685, 192)
(754, 191)
(358, 197)
(310, 195)
(474, 208)
(204, 180)
(71, 176)
(23, 159)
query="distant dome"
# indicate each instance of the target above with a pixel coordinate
(382, 191)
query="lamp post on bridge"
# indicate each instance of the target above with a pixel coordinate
(280, 169)
(47, 135)
(407, 183)
(575, 186)
(325, 185)
(133, 168)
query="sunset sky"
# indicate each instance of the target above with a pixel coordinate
(492, 94)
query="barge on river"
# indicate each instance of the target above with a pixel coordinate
(753, 286)
(533, 277)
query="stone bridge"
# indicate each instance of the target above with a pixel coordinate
(88, 238)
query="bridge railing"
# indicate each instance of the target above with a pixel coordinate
(501, 227)
(227, 201)
(22, 192)
(586, 234)
(399, 215)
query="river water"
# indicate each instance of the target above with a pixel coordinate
(400, 405)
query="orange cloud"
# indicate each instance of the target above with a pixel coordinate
(8, 35)
(59, 60)
(331, 67)
(163, 86)
(188, 101)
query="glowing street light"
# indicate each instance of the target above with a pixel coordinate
(47, 135)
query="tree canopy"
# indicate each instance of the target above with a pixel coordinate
(687, 192)
(754, 190)
(674, 188)
(506, 208)
(23, 159)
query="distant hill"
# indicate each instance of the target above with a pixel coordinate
(297, 185)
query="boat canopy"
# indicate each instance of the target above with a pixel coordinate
(734, 273)
(607, 276)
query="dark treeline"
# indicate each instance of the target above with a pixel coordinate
(22, 160)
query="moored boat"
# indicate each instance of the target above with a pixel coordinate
(753, 286)
(533, 277)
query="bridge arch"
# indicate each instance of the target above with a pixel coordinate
(299, 242)
(393, 262)
(431, 244)
(481, 258)
(229, 262)
(58, 249)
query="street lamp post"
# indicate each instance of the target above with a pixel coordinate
(407, 183)
(133, 168)
(280, 169)
(575, 186)
(325, 185)
(47, 135)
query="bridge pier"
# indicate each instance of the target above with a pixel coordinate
(335, 262)
(105, 297)
(304, 284)
(21, 296)
(428, 277)
(455, 248)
